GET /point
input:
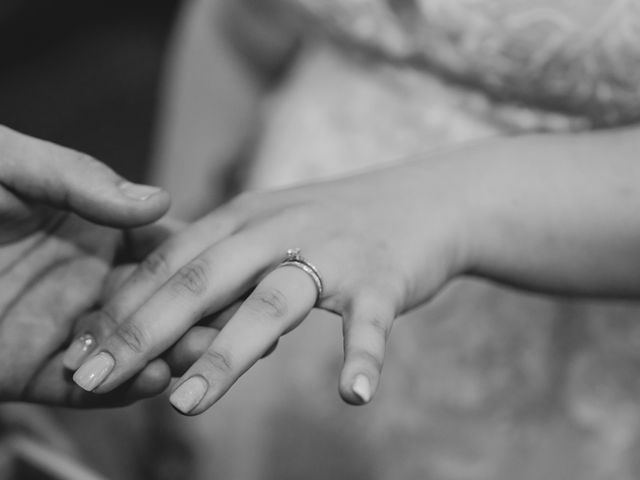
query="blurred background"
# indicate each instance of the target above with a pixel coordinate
(85, 74)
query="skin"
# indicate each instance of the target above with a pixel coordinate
(63, 219)
(556, 214)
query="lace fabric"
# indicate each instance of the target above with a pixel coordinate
(580, 58)
(484, 382)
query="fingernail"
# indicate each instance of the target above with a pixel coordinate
(94, 371)
(188, 395)
(362, 388)
(78, 351)
(138, 192)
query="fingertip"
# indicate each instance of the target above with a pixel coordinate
(138, 192)
(187, 397)
(153, 380)
(66, 179)
(361, 388)
(115, 206)
(357, 389)
(142, 204)
(78, 351)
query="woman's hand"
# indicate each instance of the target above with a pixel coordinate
(550, 213)
(366, 235)
(53, 263)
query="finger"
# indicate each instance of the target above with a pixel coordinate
(53, 385)
(179, 357)
(96, 324)
(135, 288)
(40, 171)
(206, 284)
(279, 303)
(17, 219)
(157, 267)
(189, 348)
(165, 260)
(115, 280)
(99, 324)
(197, 340)
(366, 328)
(139, 242)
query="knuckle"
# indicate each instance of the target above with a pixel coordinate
(270, 303)
(133, 337)
(192, 278)
(380, 327)
(219, 361)
(364, 356)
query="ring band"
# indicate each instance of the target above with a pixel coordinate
(295, 259)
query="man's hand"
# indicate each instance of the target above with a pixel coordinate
(54, 259)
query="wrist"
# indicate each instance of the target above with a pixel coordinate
(482, 190)
(506, 202)
(452, 218)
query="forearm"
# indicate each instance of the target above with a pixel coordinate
(558, 213)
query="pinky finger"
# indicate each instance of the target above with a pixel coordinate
(367, 325)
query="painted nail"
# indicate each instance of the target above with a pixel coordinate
(138, 192)
(188, 395)
(362, 388)
(94, 371)
(78, 351)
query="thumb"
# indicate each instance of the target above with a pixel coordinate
(39, 171)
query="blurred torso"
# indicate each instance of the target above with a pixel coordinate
(485, 383)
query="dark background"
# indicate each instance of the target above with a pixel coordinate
(85, 73)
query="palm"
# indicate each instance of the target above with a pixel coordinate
(49, 276)
(53, 263)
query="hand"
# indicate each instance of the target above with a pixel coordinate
(383, 242)
(549, 213)
(53, 263)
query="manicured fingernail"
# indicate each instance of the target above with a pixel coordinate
(94, 371)
(138, 192)
(188, 395)
(362, 388)
(78, 351)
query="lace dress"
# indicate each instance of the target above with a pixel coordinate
(485, 383)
